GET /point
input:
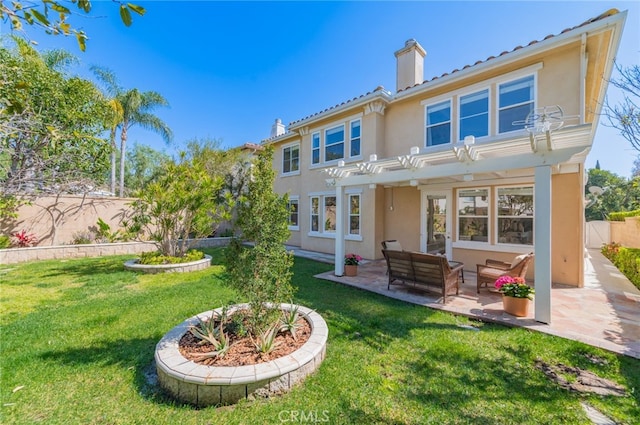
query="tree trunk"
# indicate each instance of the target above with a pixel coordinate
(112, 138)
(123, 145)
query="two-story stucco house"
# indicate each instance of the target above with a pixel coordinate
(486, 161)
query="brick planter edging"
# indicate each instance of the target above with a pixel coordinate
(202, 385)
(169, 268)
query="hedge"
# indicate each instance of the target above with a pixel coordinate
(627, 260)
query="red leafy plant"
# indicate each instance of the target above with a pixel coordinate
(24, 239)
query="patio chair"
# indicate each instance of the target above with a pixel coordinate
(489, 272)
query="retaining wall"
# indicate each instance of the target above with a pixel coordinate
(19, 255)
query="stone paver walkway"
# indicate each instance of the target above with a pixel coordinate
(605, 313)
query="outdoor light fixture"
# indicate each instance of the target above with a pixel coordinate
(413, 182)
(415, 150)
(373, 157)
(341, 163)
(467, 177)
(469, 140)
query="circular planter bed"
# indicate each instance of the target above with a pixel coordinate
(169, 268)
(202, 385)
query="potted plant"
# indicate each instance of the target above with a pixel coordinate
(351, 262)
(515, 295)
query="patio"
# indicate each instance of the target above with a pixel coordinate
(605, 313)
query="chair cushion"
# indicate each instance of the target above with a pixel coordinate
(517, 260)
(393, 246)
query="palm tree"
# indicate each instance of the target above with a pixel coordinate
(130, 108)
(136, 110)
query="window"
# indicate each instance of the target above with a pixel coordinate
(354, 215)
(439, 123)
(334, 143)
(515, 102)
(315, 148)
(474, 114)
(293, 214)
(515, 215)
(291, 159)
(329, 214)
(473, 215)
(354, 144)
(315, 213)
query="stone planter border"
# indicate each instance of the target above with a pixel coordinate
(169, 268)
(202, 385)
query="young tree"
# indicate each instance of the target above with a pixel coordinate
(182, 202)
(619, 194)
(625, 116)
(262, 273)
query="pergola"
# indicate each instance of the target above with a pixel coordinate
(540, 153)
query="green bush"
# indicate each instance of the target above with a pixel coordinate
(627, 260)
(621, 215)
(156, 257)
(5, 241)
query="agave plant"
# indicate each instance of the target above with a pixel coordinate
(266, 341)
(206, 331)
(289, 321)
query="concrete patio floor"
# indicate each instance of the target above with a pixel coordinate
(604, 313)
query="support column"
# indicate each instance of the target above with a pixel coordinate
(339, 244)
(542, 243)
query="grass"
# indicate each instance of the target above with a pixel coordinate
(78, 338)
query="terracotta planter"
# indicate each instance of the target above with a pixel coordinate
(515, 306)
(350, 270)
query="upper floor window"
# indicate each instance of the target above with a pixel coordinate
(439, 123)
(515, 215)
(474, 114)
(334, 143)
(291, 159)
(473, 215)
(515, 102)
(354, 145)
(315, 148)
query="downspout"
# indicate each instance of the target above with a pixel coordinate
(584, 59)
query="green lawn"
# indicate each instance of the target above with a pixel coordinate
(78, 338)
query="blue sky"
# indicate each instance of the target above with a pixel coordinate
(228, 69)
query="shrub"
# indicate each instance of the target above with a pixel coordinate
(5, 241)
(627, 260)
(156, 257)
(81, 238)
(621, 215)
(24, 239)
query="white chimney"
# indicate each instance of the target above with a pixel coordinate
(277, 129)
(410, 68)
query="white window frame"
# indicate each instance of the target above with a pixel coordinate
(498, 216)
(296, 200)
(321, 196)
(319, 148)
(351, 214)
(351, 138)
(426, 120)
(312, 214)
(498, 108)
(488, 112)
(290, 146)
(343, 142)
(462, 243)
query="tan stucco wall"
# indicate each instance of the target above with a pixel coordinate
(73, 214)
(627, 232)
(567, 246)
